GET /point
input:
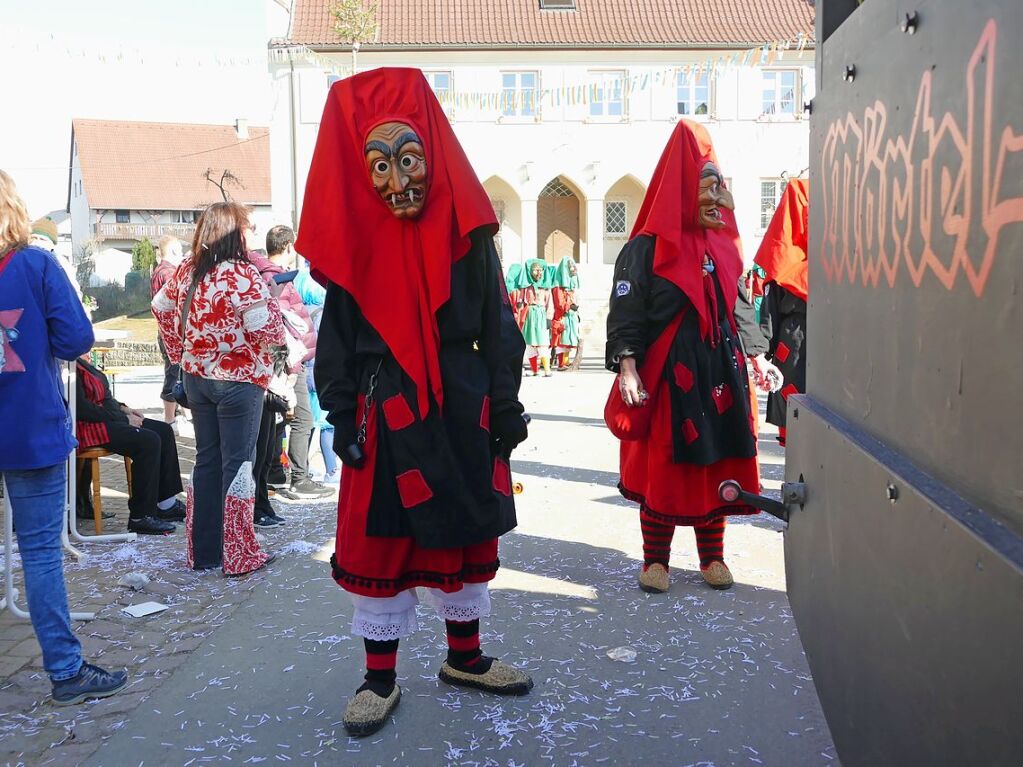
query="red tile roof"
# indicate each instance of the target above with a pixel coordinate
(596, 23)
(160, 166)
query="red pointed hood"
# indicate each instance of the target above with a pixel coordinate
(782, 254)
(669, 212)
(398, 271)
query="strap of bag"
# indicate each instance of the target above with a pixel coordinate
(187, 308)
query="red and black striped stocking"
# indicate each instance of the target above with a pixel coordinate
(381, 660)
(656, 542)
(710, 541)
(464, 651)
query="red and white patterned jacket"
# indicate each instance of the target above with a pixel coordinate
(232, 325)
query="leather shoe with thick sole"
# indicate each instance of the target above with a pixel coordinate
(150, 526)
(175, 513)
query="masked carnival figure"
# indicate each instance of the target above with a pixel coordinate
(679, 334)
(418, 367)
(565, 327)
(536, 327)
(782, 256)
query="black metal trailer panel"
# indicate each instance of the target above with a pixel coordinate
(905, 564)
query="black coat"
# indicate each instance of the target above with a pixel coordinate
(783, 321)
(481, 352)
(709, 391)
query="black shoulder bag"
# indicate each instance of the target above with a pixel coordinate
(178, 391)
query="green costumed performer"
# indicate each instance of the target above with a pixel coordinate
(565, 327)
(515, 283)
(539, 313)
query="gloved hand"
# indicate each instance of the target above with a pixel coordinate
(574, 308)
(508, 429)
(346, 445)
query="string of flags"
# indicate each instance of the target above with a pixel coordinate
(525, 99)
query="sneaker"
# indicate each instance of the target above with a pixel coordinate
(287, 494)
(175, 513)
(265, 520)
(150, 526)
(334, 478)
(277, 518)
(306, 488)
(91, 682)
(278, 477)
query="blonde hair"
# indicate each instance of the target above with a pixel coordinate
(168, 244)
(15, 225)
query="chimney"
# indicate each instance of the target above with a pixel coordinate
(241, 127)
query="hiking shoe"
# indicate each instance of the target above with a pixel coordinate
(91, 682)
(277, 518)
(150, 526)
(266, 520)
(306, 488)
(175, 513)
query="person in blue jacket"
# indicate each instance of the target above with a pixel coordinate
(41, 321)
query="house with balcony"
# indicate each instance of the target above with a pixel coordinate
(564, 106)
(135, 180)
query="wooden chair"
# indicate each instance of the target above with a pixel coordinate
(93, 454)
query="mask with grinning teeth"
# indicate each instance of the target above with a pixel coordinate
(712, 198)
(397, 168)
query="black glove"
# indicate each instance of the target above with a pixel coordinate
(508, 429)
(574, 308)
(346, 444)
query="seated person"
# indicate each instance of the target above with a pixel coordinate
(155, 474)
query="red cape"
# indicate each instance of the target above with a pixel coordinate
(782, 254)
(669, 213)
(398, 271)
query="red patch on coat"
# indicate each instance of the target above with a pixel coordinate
(689, 431)
(502, 477)
(485, 414)
(789, 390)
(722, 396)
(397, 413)
(683, 377)
(413, 488)
(782, 352)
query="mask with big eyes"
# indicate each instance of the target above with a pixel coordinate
(397, 168)
(536, 272)
(712, 198)
(572, 268)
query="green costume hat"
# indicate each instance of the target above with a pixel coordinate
(563, 276)
(513, 279)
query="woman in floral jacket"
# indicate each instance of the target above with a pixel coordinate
(220, 323)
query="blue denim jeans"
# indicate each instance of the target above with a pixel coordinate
(225, 415)
(37, 497)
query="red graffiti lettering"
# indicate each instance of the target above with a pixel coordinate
(925, 201)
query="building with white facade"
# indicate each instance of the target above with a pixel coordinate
(135, 180)
(564, 106)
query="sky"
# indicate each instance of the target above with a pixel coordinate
(179, 61)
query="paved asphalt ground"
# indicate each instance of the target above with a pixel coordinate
(719, 678)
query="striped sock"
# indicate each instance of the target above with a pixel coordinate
(656, 542)
(464, 651)
(381, 660)
(710, 542)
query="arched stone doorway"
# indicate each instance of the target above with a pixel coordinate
(621, 205)
(508, 208)
(558, 221)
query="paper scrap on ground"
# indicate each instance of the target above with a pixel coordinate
(144, 609)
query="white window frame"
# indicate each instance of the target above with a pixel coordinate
(180, 216)
(449, 103)
(604, 80)
(687, 82)
(624, 234)
(765, 213)
(774, 111)
(516, 103)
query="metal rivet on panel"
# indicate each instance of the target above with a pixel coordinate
(909, 23)
(850, 73)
